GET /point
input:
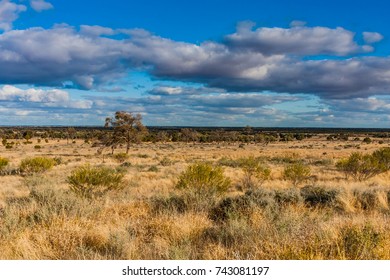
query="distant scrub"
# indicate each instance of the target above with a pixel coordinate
(94, 182)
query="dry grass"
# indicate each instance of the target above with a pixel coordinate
(328, 217)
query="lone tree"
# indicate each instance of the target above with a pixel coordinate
(127, 129)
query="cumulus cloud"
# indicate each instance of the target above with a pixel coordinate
(40, 5)
(264, 59)
(297, 40)
(9, 12)
(41, 98)
(96, 30)
(372, 37)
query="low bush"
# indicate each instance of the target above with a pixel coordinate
(169, 204)
(36, 165)
(362, 167)
(319, 196)
(297, 173)
(360, 242)
(255, 173)
(203, 179)
(3, 163)
(288, 196)
(121, 157)
(94, 182)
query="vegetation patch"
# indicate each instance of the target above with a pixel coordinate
(95, 181)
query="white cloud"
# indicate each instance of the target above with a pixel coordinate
(42, 98)
(62, 56)
(96, 30)
(372, 37)
(297, 40)
(40, 5)
(9, 12)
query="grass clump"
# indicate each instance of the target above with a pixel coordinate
(297, 173)
(36, 165)
(94, 182)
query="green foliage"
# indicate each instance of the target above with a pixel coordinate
(203, 179)
(36, 165)
(254, 172)
(3, 162)
(297, 173)
(363, 167)
(93, 182)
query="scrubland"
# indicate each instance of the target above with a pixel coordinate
(154, 214)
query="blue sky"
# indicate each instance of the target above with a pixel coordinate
(195, 63)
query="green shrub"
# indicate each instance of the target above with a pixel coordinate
(36, 165)
(363, 167)
(3, 162)
(255, 174)
(93, 182)
(296, 173)
(203, 179)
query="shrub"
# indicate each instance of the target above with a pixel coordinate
(296, 173)
(319, 196)
(363, 167)
(288, 196)
(166, 162)
(203, 179)
(121, 157)
(37, 147)
(367, 140)
(254, 172)
(36, 165)
(225, 161)
(93, 182)
(360, 242)
(3, 162)
(169, 204)
(153, 168)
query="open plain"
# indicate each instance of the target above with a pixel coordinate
(326, 214)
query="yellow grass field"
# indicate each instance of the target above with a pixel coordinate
(41, 218)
